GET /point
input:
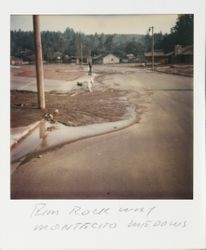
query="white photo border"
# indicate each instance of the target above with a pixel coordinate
(15, 221)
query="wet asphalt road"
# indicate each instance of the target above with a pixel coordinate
(152, 159)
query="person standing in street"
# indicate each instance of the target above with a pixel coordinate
(90, 68)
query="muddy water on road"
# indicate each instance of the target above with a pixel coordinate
(47, 135)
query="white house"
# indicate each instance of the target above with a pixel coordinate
(110, 59)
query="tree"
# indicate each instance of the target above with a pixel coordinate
(134, 48)
(181, 33)
(109, 43)
(183, 29)
(68, 44)
(147, 42)
(69, 36)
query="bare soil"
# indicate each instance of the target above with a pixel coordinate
(51, 71)
(75, 109)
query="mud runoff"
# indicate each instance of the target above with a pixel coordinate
(46, 136)
(76, 108)
(80, 115)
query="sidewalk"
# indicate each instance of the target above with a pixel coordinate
(17, 134)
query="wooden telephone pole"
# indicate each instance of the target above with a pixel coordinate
(39, 63)
(152, 29)
(81, 52)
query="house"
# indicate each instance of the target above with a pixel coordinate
(124, 60)
(181, 55)
(16, 61)
(131, 57)
(159, 57)
(110, 59)
(59, 59)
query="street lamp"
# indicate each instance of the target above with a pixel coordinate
(152, 29)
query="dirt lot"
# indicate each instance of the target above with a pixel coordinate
(51, 71)
(185, 70)
(75, 109)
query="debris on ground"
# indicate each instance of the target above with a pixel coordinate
(88, 83)
(50, 116)
(51, 128)
(80, 84)
(20, 104)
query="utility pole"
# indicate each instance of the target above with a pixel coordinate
(78, 57)
(39, 63)
(152, 29)
(81, 52)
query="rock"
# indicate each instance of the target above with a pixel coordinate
(49, 117)
(56, 112)
(20, 104)
(79, 84)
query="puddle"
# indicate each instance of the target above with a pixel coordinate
(46, 135)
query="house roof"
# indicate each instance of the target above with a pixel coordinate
(170, 53)
(159, 53)
(111, 55)
(130, 55)
(188, 50)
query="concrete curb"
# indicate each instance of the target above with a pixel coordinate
(19, 133)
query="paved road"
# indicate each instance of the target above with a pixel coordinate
(152, 159)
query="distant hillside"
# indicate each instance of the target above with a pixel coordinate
(69, 44)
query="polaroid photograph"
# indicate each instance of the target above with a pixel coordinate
(104, 125)
(101, 112)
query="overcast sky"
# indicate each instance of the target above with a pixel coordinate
(108, 24)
